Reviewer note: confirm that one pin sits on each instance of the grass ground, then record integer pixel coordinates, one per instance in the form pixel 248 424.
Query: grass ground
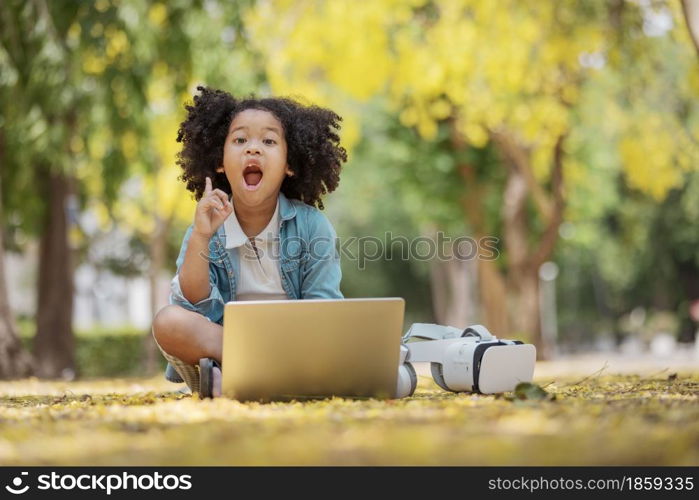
pixel 598 419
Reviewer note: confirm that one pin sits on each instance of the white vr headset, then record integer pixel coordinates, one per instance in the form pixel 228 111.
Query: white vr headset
pixel 469 360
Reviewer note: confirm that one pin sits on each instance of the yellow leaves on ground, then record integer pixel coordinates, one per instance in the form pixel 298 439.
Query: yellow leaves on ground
pixel 611 420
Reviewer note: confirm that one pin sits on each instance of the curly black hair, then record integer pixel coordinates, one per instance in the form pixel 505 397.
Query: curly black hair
pixel 314 153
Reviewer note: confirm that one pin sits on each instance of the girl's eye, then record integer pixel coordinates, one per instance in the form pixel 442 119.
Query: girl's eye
pixel 239 140
pixel 270 141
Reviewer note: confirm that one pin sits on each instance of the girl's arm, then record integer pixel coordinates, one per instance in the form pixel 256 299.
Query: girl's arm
pixel 194 273
pixel 212 306
pixel 213 208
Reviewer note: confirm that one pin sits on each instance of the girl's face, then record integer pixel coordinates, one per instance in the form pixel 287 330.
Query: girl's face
pixel 254 157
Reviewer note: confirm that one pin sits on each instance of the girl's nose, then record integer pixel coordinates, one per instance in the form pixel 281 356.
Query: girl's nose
pixel 252 148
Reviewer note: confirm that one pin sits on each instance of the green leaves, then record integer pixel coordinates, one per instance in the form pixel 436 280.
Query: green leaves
pixel 527 391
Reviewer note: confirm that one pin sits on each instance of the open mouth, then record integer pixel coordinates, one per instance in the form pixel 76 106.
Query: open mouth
pixel 252 175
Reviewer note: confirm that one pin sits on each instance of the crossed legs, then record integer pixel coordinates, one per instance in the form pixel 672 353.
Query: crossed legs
pixel 185 337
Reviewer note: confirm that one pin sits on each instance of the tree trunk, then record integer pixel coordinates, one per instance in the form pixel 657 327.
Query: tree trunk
pixel 54 345
pixel 525 316
pixel 525 259
pixel 510 305
pixel 522 290
pixel 691 17
pixel 158 249
pixel 493 297
pixel 452 282
pixel 439 291
pixel 15 361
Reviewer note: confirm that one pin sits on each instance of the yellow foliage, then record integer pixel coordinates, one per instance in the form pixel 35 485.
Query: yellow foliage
pixel 475 134
pixel 98 144
pixel 167 192
pixel 157 14
pixel 342 42
pixel 93 64
pixel 158 193
pixel 153 192
pixel 509 65
pixel 427 128
pixel 101 212
pixel 656 150
pixel 314 47
pixel 440 109
pixel 129 145
pixel 648 164
pixel 133 209
pixel 97 30
pixel 574 172
pixel 75 236
pixel 487 64
pixel 102 5
pixel 117 43
pixel 74 32
pixel 541 160
pixel 408 116
pixel 76 144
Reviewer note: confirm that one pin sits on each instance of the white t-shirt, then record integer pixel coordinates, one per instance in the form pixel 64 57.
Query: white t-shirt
pixel 259 277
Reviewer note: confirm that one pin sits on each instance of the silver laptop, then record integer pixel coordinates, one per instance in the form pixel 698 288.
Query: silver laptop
pixel 304 349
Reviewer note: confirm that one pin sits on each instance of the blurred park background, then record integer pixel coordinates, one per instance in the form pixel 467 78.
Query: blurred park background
pixel 564 133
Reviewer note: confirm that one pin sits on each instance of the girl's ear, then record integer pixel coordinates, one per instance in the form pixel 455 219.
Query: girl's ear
pixel 220 169
pixel 289 172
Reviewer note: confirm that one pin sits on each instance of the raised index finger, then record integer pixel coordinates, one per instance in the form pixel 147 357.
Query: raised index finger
pixel 207 186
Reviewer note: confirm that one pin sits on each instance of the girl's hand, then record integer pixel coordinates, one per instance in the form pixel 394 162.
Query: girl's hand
pixel 212 210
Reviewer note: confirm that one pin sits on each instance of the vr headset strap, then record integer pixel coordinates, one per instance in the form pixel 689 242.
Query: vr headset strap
pixel 478 331
pixel 431 331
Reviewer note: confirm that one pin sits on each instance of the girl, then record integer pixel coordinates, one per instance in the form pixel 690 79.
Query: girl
pixel 258 168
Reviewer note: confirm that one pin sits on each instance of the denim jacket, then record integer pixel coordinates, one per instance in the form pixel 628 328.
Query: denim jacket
pixel 309 263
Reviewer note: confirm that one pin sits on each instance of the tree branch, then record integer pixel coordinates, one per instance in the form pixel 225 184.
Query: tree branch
pixel 691 17
pixel 550 236
pixel 471 201
pixel 519 158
